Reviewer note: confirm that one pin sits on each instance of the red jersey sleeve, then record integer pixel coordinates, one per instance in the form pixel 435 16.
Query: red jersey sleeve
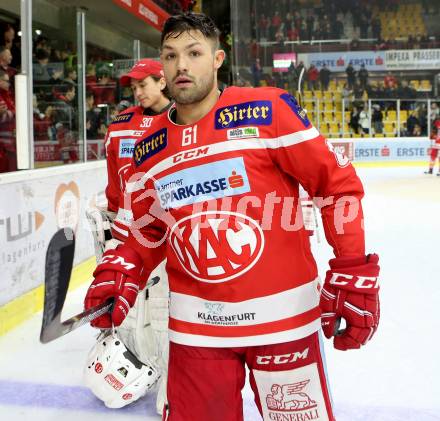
pixel 148 229
pixel 300 151
pixel 112 190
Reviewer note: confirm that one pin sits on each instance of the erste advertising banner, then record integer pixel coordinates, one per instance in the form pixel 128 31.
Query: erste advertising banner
pixel 374 60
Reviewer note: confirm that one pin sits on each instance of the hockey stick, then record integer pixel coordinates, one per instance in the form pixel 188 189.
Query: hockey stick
pixel 59 262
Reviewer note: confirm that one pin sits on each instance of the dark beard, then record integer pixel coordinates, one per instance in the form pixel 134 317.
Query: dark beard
pixel 192 95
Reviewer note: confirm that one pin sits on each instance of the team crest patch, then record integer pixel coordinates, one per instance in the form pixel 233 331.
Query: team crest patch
pixel 126 148
pixel 150 146
pixel 243 133
pixel 258 113
pixel 122 118
pixel 295 107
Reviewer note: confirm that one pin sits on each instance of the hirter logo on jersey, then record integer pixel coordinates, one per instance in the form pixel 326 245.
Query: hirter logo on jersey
pixel 150 146
pixel 122 118
pixel 297 110
pixel 257 113
pixel 217 246
pixel 204 182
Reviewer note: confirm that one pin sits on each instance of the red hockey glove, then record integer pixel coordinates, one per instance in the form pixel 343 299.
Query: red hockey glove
pixel 118 276
pixel 351 291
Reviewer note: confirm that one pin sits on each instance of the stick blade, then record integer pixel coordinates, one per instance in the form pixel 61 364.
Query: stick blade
pixel 59 262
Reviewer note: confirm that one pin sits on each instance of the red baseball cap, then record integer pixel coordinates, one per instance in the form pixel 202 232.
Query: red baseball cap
pixel 142 69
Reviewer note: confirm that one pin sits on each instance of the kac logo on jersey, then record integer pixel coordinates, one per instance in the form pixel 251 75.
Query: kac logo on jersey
pixel 150 146
pixel 257 113
pixel 297 110
pixel 217 246
pixel 204 182
pixel 122 118
pixel 126 148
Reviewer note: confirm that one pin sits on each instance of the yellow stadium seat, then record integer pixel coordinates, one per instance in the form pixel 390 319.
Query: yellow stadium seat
pixel 317 94
pixel 403 115
pixel 338 115
pixel 391 115
pixel 328 106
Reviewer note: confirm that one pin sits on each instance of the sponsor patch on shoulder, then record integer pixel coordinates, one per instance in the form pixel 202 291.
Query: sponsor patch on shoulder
pixel 243 132
pixel 150 146
pixel 126 147
pixel 295 107
pixel 122 118
pixel 257 113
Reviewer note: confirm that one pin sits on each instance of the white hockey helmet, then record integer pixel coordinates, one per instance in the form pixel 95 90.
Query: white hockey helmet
pixel 115 375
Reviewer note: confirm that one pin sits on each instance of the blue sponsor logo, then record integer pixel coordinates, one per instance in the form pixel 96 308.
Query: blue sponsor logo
pixel 255 113
pixel 297 110
pixel 205 182
pixel 122 118
pixel 126 148
pixel 150 146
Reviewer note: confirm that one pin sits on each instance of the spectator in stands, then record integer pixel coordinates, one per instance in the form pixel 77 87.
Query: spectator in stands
pixel 407 94
pixel 42 120
pixel 347 96
pixel 312 77
pixel 377 119
pixel 257 72
pixel 435 112
pixel 104 90
pixel 351 76
pixel 363 76
pixel 8 35
pixel 64 107
pixel 71 76
pixel 364 121
pixel 376 27
pixel 5 63
pixel 310 24
pixel 411 123
pixel 93 120
pixel 91 79
pixel 324 77
pixel 390 81
pixel 8 154
pixel 354 119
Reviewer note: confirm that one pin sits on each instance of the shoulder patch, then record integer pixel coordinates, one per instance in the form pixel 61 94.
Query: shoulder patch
pixel 254 113
pixel 122 118
pixel 295 107
pixel 126 147
pixel 150 146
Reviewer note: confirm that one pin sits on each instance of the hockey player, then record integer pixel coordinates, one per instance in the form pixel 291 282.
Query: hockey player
pixel 144 332
pixel 217 187
pixel 435 146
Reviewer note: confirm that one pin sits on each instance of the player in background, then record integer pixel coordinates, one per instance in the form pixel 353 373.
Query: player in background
pixel 144 332
pixel 435 146
pixel 213 179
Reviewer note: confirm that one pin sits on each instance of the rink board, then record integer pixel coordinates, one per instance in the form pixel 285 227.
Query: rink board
pixel 36 204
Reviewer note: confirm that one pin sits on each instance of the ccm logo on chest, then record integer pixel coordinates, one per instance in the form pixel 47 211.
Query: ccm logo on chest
pixel 150 146
pixel 365 282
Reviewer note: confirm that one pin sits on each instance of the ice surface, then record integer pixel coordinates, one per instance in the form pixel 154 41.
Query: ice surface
pixel 395 378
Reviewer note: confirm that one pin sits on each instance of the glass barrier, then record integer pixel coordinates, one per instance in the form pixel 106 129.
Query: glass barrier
pixel 9 65
pixel 105 98
pixel 55 98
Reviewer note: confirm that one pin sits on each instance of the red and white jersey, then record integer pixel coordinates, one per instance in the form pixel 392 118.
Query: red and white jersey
pixel 220 197
pixel 435 136
pixel 128 127
pixel 123 132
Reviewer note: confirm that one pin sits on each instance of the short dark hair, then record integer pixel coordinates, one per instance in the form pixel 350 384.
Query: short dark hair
pixel 185 22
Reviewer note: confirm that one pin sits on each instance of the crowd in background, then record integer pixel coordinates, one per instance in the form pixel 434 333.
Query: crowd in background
pixel 56 86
